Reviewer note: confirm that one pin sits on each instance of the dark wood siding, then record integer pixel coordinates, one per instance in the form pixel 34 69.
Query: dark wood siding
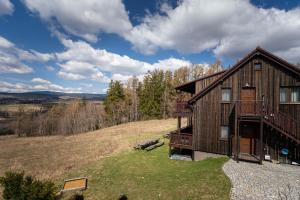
pixel 201 84
pixel 210 113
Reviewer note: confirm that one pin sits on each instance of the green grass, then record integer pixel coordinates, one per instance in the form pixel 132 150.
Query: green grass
pixel 151 175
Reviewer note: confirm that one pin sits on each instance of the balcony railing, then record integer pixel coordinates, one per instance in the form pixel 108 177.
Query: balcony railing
pixel 183 109
pixel 249 108
pixel 182 140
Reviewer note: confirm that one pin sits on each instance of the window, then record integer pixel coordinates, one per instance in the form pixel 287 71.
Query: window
pixel 290 95
pixel 226 94
pixel 295 94
pixel 283 95
pixel 224 132
pixel 257 66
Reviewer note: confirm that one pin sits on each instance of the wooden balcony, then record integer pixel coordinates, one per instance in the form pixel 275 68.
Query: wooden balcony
pixel 183 109
pixel 182 139
pixel 248 108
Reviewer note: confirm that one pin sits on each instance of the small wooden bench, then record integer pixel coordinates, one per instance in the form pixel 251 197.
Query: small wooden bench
pixel 74 185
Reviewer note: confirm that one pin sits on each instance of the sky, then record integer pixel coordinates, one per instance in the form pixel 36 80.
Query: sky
pixel 80 46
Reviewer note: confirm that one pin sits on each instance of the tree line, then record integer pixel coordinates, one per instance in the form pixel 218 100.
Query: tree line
pixel 64 118
pixel 154 97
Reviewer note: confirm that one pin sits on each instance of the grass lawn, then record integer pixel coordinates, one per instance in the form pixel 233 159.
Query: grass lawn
pixel 151 175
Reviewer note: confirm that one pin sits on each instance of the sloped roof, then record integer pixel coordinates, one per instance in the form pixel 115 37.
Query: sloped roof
pixel 191 85
pixel 257 51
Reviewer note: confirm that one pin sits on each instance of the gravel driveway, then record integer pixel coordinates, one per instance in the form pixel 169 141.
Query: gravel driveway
pixel 268 181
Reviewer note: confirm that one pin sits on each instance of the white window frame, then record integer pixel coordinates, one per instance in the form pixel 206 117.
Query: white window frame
pixel 283 95
pixel 224 133
pixel 226 97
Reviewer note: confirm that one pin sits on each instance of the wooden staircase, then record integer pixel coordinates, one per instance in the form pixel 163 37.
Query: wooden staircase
pixel 283 123
pixel 279 121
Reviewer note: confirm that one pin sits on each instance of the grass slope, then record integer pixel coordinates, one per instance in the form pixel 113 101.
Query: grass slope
pixel 55 156
pixel 151 175
pixel 113 168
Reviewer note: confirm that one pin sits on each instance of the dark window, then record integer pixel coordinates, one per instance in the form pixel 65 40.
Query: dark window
pixel 283 95
pixel 226 94
pixel 257 66
pixel 224 132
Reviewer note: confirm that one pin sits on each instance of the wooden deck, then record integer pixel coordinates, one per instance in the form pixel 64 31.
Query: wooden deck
pixel 182 139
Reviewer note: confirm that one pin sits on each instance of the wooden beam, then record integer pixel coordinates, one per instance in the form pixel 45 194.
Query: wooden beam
pixel 235 133
pixel 179 124
pixel 261 140
pixel 238 140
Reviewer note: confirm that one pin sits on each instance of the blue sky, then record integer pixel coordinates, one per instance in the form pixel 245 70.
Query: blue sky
pixel 79 46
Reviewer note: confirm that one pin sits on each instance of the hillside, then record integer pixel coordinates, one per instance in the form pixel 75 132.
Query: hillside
pixel 113 168
pixel 45 96
pixel 53 156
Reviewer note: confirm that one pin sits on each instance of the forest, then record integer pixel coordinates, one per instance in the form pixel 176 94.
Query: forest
pixel 154 97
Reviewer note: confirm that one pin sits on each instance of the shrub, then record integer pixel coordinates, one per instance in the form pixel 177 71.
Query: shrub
pixel 20 187
pixel 6 131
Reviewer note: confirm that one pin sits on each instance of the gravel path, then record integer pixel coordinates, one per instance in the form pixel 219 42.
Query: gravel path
pixel 262 182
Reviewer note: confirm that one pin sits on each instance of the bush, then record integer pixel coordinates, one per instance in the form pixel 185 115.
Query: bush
pixel 20 187
pixel 6 131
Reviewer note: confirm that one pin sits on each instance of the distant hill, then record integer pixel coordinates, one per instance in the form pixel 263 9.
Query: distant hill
pixel 46 96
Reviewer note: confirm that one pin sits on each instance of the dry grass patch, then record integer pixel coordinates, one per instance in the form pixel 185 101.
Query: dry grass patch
pixel 55 156
pixel 16 107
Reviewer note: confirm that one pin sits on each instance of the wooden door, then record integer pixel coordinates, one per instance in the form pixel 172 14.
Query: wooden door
pixel 248 103
pixel 245 145
pixel 248 134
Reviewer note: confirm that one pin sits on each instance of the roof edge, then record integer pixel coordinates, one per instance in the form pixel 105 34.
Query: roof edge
pixel 201 78
pixel 258 50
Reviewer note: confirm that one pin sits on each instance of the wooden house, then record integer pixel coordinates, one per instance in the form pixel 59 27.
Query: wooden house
pixel 250 111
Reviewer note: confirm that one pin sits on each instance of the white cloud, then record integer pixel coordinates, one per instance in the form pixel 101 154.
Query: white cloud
pixel 105 90
pixel 229 28
pixel 82 55
pixel 167 64
pixel 171 64
pixel 6 7
pixel 4 43
pixel 70 76
pixel 56 88
pixel 40 80
pixel 85 19
pixel 11 64
pixel 12 57
pixel 11 87
pixel 50 68
pixel 33 55
pixel 39 84
pixel 120 77
pixel 82 61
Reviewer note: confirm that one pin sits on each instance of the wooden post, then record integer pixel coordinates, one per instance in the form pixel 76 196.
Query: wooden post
pixel 261 140
pixel 235 134
pixel 179 124
pixel 238 141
